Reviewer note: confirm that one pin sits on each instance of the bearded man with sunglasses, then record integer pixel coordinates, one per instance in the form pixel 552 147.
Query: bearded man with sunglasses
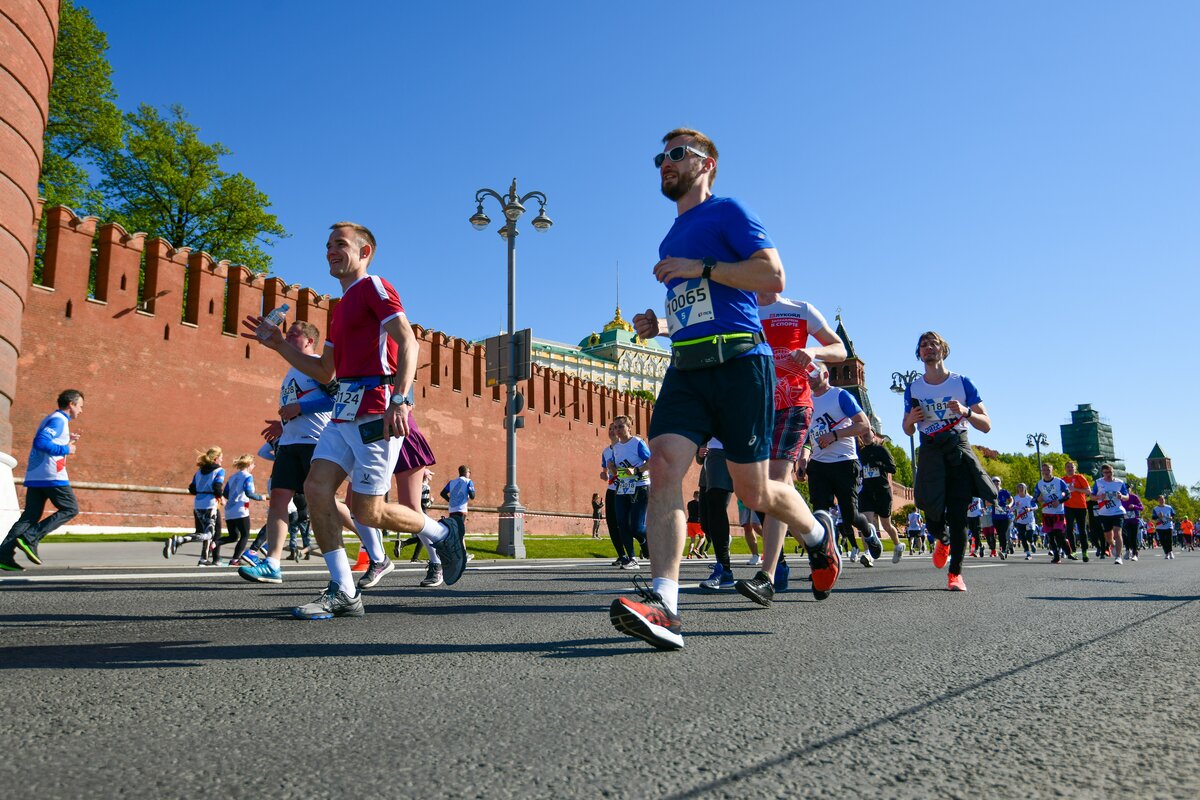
pixel 714 260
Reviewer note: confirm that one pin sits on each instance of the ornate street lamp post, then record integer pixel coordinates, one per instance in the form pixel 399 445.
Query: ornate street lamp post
pixel 900 383
pixel 1037 440
pixel 512 513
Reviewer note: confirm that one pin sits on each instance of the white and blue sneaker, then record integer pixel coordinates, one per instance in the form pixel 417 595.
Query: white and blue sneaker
pixel 721 578
pixel 262 572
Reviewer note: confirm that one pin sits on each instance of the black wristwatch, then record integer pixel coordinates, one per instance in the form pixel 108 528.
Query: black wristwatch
pixel 709 262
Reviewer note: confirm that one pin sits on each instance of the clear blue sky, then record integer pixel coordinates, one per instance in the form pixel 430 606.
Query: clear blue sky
pixel 1021 176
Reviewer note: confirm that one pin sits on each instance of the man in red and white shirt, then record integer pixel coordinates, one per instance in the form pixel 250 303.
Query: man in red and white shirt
pixel 373 352
pixel 788 325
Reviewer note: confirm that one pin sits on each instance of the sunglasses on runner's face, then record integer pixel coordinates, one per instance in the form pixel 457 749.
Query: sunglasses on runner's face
pixel 677 154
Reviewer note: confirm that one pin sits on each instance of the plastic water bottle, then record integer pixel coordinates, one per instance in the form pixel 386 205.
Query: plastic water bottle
pixel 271 322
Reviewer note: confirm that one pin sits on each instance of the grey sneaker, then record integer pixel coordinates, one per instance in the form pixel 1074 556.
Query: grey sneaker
pixel 333 602
pixel 375 573
pixel 451 552
pixel 898 552
pixel 433 576
pixel 169 547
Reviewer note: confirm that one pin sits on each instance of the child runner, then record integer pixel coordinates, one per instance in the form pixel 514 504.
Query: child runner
pixel 1023 505
pixel 207 484
pixel 239 491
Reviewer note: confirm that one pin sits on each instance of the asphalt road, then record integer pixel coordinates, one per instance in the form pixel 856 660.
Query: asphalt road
pixel 169 680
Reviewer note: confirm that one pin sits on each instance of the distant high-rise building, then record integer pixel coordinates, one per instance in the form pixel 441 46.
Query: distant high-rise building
pixel 1159 477
pixel 1089 442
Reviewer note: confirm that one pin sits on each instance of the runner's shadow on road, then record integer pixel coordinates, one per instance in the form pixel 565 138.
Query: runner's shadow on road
pixel 596 648
pixel 190 654
pixel 886 590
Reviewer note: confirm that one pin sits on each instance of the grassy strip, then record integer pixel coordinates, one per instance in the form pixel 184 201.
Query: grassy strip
pixel 482 547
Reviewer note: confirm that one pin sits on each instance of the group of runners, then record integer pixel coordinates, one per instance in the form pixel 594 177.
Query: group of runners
pixel 747 394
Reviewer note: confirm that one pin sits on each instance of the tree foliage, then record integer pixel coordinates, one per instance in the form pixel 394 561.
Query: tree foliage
pixel 904 470
pixel 167 182
pixel 84 123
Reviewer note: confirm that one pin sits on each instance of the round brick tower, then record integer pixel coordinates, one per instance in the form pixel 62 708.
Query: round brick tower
pixel 28 31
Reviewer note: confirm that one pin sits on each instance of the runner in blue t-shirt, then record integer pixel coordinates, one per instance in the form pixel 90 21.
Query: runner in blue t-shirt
pixel 45 482
pixel 721 383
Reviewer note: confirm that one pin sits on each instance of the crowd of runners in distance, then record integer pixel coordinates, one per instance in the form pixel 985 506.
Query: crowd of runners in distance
pixel 747 395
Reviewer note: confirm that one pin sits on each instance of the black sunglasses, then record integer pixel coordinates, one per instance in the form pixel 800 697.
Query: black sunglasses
pixel 677 154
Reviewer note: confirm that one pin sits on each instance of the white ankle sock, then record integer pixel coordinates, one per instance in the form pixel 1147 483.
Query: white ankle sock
pixel 814 537
pixel 372 542
pixel 668 590
pixel 339 571
pixel 432 532
pixel 274 562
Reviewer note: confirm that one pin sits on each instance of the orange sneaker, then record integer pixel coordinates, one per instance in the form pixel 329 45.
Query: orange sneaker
pixel 941 554
pixel 824 559
pixel 955 583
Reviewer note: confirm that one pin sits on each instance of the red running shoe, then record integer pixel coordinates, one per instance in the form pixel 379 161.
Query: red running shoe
pixel 955 583
pixel 825 560
pixel 941 554
pixel 647 618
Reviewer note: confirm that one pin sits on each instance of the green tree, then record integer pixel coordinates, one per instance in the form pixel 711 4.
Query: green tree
pixel 84 124
pixel 904 470
pixel 645 394
pixel 168 183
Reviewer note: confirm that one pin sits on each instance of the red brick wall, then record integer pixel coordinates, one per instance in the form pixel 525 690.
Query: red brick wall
pixel 28 30
pixel 163 381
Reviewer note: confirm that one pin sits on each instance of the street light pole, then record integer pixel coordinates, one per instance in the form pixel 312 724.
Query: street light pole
pixel 512 513
pixel 900 383
pixel 1037 440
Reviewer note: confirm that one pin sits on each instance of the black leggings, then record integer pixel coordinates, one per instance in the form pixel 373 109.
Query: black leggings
pixel 714 521
pixel 1077 520
pixel 837 480
pixel 1167 540
pixel 239 531
pixel 949 524
pixel 610 519
pixel 1025 534
pixel 1129 532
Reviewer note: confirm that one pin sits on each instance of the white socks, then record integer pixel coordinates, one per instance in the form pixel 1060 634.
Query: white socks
pixel 814 537
pixel 668 590
pixel 432 532
pixel 371 540
pixel 339 571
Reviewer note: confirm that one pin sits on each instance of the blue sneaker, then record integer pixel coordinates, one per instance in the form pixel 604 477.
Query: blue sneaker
pixel 713 582
pixel 262 572
pixel 782 571
pixel 721 578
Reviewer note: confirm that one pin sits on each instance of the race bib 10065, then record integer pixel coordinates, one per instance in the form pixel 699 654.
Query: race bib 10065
pixel 689 303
